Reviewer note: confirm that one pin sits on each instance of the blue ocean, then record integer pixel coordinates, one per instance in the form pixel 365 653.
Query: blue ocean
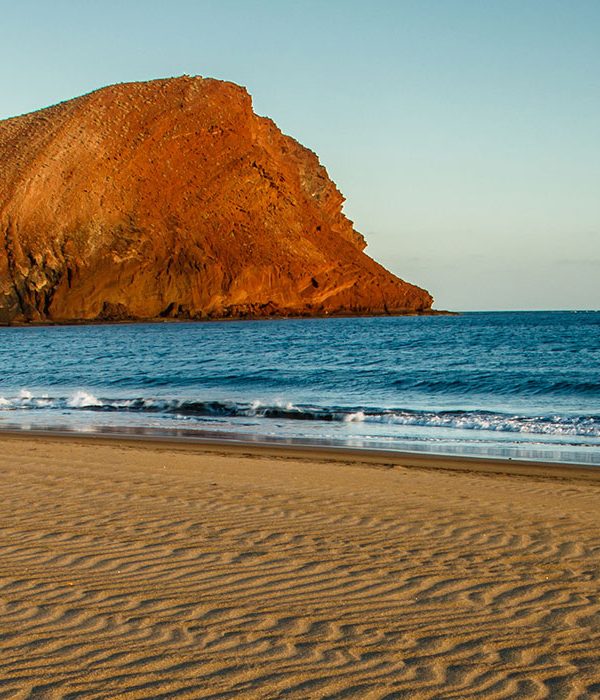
pixel 524 385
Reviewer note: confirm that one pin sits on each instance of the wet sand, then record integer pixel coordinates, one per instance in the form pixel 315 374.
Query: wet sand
pixel 154 569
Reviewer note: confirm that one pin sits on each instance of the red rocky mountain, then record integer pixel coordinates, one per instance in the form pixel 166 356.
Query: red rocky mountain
pixel 171 198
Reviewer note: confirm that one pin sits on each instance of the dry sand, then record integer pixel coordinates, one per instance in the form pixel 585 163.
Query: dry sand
pixel 140 570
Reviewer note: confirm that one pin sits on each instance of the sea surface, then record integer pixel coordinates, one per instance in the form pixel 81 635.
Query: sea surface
pixel 524 385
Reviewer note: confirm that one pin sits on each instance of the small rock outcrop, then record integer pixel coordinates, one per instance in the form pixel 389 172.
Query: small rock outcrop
pixel 172 199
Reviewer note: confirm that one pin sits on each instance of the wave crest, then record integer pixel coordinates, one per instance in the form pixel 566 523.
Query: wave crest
pixel 565 425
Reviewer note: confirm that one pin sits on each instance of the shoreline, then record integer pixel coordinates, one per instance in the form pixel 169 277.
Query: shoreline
pixel 299 317
pixel 217 319
pixel 324 453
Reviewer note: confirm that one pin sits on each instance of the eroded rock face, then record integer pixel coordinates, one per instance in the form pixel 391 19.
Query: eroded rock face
pixel 171 198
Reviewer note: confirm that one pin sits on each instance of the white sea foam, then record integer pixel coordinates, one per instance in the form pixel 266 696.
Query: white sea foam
pixel 358 417
pixel 552 426
pixel 82 399
pixel 44 402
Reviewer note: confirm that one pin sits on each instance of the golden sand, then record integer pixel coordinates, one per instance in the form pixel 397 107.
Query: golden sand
pixel 141 570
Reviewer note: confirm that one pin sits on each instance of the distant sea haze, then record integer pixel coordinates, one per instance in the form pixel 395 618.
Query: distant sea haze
pixel 522 385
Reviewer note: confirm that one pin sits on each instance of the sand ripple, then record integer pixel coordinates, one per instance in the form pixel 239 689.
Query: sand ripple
pixel 135 572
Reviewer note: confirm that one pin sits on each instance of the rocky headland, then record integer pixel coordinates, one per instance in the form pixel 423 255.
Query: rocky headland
pixel 172 199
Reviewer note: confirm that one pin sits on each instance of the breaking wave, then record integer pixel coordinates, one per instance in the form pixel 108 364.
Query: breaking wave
pixel 558 425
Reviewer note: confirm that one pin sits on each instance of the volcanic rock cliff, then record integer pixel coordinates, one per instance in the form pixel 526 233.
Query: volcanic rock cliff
pixel 171 198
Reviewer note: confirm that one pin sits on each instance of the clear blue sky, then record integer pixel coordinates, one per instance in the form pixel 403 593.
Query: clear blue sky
pixel 465 135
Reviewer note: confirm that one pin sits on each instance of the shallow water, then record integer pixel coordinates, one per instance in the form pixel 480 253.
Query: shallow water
pixel 521 385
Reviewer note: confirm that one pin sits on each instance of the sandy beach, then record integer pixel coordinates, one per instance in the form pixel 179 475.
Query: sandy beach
pixel 133 569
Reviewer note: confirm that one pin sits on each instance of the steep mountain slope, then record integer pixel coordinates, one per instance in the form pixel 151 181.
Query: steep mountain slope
pixel 171 198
